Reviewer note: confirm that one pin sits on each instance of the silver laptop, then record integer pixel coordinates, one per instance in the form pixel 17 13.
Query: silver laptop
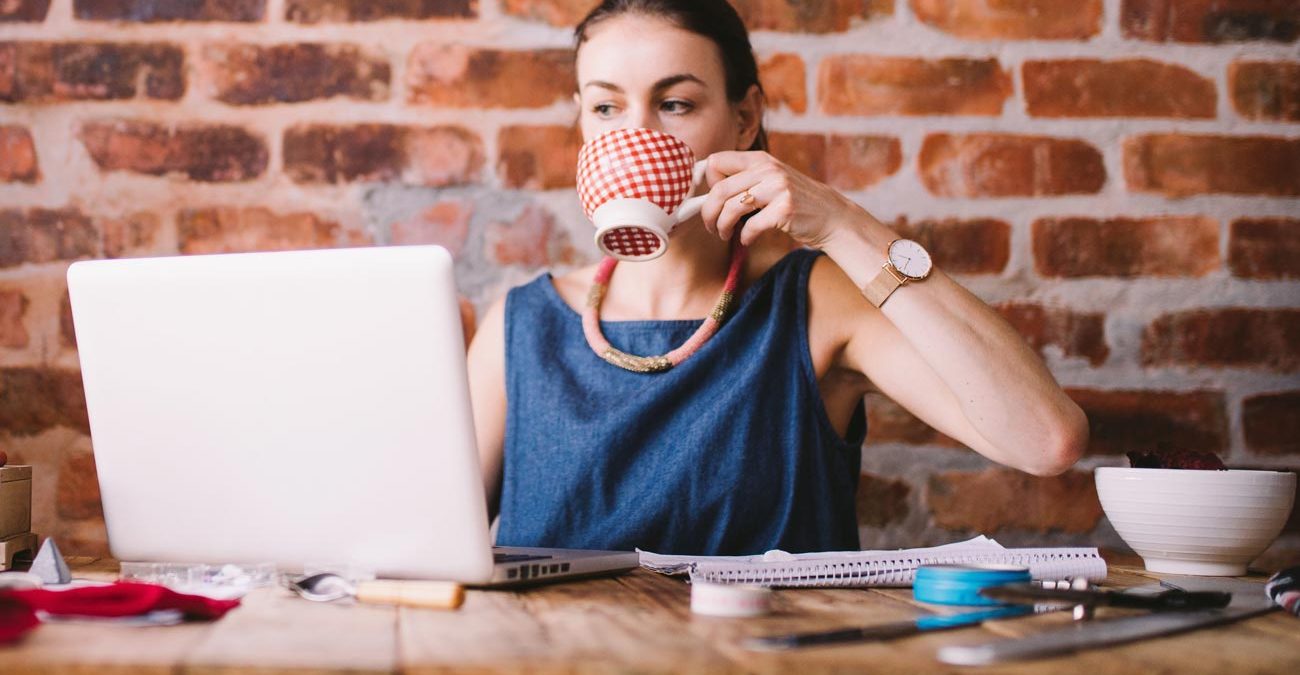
pixel 308 408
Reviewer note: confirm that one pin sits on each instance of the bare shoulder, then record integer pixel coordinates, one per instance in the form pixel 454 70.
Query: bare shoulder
pixel 837 310
pixel 489 339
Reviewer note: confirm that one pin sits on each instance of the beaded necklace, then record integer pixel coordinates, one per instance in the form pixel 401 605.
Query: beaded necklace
pixel 656 364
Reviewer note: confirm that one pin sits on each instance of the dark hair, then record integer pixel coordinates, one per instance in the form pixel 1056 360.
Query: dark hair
pixel 716 20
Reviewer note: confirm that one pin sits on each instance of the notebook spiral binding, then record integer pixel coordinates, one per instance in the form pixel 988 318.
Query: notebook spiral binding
pixel 1055 564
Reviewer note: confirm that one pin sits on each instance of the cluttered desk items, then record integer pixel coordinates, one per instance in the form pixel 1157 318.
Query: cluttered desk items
pixel 874 568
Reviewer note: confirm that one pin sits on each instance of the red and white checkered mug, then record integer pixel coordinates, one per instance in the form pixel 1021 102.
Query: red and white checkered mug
pixel 634 185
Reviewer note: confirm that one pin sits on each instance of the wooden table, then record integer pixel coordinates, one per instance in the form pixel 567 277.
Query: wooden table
pixel 639 622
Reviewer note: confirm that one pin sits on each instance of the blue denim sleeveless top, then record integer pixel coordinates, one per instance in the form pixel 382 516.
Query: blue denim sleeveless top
pixel 729 453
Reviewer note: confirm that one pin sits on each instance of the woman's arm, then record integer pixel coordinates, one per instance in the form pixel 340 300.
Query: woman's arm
pixel 487 390
pixel 940 352
pixel 933 346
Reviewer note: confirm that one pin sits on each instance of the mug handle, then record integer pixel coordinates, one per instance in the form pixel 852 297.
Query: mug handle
pixel 691 207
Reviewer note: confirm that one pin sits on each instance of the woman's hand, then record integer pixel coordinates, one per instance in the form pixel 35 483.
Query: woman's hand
pixel 785 199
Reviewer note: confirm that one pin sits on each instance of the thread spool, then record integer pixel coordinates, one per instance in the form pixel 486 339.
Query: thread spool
pixel 961 584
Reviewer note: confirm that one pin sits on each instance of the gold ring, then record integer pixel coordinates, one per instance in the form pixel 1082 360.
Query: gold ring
pixel 746 198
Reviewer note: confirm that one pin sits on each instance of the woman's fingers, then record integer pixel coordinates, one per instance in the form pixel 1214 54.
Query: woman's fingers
pixel 775 215
pixel 735 208
pixel 720 165
pixel 720 194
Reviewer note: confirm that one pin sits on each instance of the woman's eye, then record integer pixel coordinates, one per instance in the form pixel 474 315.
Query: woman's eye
pixel 603 109
pixel 676 107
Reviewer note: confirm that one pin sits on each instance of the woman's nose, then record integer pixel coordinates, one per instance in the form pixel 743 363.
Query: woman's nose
pixel 641 118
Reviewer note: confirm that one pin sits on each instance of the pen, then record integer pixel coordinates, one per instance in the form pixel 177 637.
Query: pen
pixel 886 631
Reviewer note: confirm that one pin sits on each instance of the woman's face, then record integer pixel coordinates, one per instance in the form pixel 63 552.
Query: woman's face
pixel 636 71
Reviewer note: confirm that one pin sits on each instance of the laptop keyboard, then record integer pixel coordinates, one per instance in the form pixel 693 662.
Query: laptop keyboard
pixel 516 557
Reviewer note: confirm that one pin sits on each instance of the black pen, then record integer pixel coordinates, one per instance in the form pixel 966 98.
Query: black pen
pixel 886 631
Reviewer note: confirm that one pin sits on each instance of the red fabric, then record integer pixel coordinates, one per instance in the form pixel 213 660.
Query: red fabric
pixel 18 607
pixel 16 618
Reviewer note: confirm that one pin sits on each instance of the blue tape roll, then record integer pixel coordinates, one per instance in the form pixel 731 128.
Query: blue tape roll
pixel 961 584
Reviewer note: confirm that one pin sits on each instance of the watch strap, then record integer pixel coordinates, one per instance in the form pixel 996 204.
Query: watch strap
pixel 886 282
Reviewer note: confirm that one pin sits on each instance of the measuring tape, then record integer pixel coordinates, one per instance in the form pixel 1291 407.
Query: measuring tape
pixel 961 584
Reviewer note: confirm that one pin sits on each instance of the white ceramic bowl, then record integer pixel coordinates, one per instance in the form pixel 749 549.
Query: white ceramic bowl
pixel 1183 521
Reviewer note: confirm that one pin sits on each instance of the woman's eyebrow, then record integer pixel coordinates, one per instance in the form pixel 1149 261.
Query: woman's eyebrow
pixel 660 85
pixel 603 85
pixel 669 81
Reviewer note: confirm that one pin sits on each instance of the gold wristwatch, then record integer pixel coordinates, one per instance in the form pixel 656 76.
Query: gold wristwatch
pixel 906 261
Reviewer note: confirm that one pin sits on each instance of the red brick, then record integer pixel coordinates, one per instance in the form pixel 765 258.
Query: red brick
pixel 1123 421
pixel 1179 165
pixel 532 240
pixel 858 162
pixel 169 10
pixel 1210 20
pixel 1271 423
pixel 1229 338
pixel 44 72
pixel 13 308
pixel 785 81
pixel 888 422
pixel 292 73
pixel 1266 90
pixel 434 156
pixel 23 10
pixel 335 11
pixel 461 77
pixel 1168 246
pixel 843 162
pixel 17 156
pixel 33 400
pixel 1000 499
pixel 882 501
pixel 78 490
pixel 1078 334
pixel 231 230
pixel 1129 88
pixel 538 157
pixel 974 246
pixel 858 84
pixel 555 12
pixel 446 224
pixel 46 235
pixel 202 152
pixel 67 329
pixel 137 234
pixel 799 16
pixel 1016 20
pixel 1265 248
pixel 1005 165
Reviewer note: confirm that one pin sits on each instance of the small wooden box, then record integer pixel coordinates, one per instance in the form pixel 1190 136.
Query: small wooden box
pixel 15 500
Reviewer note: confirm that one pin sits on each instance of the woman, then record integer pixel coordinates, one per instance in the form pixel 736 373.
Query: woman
pixel 753 442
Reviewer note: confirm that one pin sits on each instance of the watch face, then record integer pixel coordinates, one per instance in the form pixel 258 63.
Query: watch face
pixel 910 258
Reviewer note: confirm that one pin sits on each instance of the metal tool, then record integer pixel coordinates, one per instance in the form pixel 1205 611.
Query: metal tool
pixel 1173 599
pixel 1248 599
pixel 327 587
pixel 886 631
pixel 942 584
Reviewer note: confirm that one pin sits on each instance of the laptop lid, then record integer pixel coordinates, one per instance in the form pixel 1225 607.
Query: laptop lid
pixel 299 408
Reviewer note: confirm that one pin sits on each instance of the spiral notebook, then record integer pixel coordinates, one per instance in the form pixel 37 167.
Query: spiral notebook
pixel 875 568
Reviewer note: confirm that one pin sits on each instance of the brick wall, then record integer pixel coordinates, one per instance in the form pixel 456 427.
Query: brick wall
pixel 1120 178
